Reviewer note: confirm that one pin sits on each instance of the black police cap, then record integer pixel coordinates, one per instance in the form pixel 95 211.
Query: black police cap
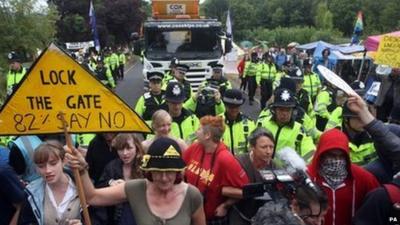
pixel 216 66
pixel 13 57
pixel 233 97
pixel 155 75
pixel 182 67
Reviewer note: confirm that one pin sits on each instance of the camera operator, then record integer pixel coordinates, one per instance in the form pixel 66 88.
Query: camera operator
pixel 217 79
pixel 207 101
pixel 308 207
pixel 261 153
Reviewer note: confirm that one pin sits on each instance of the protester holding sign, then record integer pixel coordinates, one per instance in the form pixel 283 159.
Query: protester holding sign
pixel 160 198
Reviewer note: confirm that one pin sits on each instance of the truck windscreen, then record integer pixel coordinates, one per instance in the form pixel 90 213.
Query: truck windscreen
pixel 201 43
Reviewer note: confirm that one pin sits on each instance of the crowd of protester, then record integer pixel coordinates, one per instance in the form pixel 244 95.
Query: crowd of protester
pixel 204 153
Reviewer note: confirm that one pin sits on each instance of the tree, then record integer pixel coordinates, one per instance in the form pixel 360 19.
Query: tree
pixel 215 9
pixel 122 18
pixel 323 18
pixel 116 20
pixel 344 14
pixel 24 28
pixel 390 18
pixel 278 17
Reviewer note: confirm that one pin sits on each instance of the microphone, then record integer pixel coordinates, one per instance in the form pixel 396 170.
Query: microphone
pixel 296 166
pixel 291 159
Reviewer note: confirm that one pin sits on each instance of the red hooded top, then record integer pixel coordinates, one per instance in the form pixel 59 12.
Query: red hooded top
pixel 347 198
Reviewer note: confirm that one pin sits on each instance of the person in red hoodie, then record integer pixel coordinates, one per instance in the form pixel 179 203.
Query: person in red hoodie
pixel 211 167
pixel 345 183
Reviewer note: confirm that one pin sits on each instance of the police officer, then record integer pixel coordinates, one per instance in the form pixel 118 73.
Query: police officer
pixel 287 132
pixel 217 80
pixel 299 114
pixel 169 74
pixel 302 96
pixel 103 73
pixel 362 150
pixel 324 104
pixel 15 73
pixel 154 99
pixel 112 60
pixel 238 125
pixel 250 72
pixel 207 101
pixel 179 75
pixel 312 83
pixel 122 62
pixel 336 116
pixel 184 123
pixel 266 75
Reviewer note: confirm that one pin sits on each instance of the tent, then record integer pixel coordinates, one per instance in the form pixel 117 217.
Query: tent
pixel 372 42
pixel 343 48
pixel 313 45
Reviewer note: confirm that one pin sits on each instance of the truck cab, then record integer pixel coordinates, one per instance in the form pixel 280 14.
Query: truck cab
pixel 176 31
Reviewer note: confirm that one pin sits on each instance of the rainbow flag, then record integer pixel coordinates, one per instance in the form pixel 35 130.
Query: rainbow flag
pixel 358 29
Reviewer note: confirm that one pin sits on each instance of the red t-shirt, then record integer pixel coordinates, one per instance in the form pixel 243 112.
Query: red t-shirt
pixel 226 171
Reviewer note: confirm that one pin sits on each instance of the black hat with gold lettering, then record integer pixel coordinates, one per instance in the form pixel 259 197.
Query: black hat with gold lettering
pixel 164 154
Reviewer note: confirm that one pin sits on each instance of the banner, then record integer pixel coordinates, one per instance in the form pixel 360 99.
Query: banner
pixel 388 52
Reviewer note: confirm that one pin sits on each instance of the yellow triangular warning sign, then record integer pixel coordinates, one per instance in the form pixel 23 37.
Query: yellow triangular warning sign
pixel 57 83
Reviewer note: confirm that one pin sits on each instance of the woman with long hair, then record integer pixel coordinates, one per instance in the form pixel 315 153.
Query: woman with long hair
pixel 122 169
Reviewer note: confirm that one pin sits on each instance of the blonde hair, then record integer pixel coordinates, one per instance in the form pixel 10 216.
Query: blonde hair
pixel 158 117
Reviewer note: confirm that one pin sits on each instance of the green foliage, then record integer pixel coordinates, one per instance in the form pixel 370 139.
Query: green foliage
pixel 116 20
pixel 344 14
pixel 323 17
pixel 216 9
pixel 380 16
pixel 24 28
pixel 281 36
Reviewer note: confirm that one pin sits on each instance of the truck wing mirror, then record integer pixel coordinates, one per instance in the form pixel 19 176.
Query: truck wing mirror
pixel 228 44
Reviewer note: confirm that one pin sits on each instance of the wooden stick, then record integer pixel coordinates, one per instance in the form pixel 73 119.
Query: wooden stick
pixel 77 176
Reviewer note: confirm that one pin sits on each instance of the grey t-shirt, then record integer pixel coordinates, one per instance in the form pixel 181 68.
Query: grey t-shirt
pixel 136 193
